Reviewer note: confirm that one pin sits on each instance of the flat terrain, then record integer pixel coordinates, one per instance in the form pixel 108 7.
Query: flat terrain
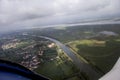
pixel 39 55
pixel 97 46
pixel 101 53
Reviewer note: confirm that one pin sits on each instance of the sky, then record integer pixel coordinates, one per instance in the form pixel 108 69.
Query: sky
pixel 22 14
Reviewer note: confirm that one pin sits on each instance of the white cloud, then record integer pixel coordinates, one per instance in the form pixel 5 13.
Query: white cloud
pixel 15 13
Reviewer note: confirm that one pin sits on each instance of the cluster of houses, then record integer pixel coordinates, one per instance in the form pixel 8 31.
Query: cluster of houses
pixel 30 61
pixel 10 44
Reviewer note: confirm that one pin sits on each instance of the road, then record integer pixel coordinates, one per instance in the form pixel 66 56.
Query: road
pixel 86 68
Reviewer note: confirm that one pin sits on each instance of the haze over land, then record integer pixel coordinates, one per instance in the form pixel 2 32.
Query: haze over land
pixel 76 52
pixel 22 14
pixel 61 39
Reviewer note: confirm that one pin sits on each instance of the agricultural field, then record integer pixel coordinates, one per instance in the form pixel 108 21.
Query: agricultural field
pixel 59 68
pixel 39 55
pixel 101 53
pixel 95 47
pixel 66 34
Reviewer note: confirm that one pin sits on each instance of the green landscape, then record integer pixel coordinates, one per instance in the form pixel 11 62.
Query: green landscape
pixel 39 55
pixel 101 54
pixel 95 45
pixel 59 39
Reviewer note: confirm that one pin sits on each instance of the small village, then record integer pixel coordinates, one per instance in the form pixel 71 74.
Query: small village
pixel 30 59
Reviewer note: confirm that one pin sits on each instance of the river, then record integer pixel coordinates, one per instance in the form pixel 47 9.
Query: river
pixel 86 68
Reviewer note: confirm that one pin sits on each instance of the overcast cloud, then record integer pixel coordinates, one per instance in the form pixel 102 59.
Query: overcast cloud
pixel 20 14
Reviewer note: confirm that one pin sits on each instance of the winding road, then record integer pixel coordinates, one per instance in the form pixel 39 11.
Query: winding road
pixel 86 68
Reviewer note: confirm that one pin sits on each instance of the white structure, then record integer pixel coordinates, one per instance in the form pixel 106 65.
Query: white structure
pixel 114 74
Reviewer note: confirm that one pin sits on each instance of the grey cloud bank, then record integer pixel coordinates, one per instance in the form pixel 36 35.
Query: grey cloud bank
pixel 20 14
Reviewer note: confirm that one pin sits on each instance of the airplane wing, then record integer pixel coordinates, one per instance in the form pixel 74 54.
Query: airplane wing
pixel 114 73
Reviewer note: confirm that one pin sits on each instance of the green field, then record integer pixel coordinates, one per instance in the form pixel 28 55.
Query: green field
pixel 102 54
pixel 66 34
pixel 99 51
pixel 60 68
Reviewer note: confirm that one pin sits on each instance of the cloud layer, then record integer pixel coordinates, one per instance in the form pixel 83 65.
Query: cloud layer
pixel 20 14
